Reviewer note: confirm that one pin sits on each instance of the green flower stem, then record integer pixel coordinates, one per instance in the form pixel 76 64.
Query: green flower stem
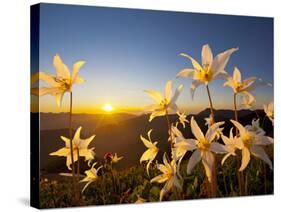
pixel 78 174
pixel 170 129
pixel 211 104
pixel 78 165
pixel 213 184
pixel 235 110
pixel 70 138
pixel 240 175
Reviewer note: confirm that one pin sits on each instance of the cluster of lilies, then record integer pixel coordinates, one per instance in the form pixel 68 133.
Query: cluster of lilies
pixel 75 147
pixel 247 141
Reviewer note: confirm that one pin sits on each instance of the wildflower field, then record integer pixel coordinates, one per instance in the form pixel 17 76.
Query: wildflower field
pixel 197 157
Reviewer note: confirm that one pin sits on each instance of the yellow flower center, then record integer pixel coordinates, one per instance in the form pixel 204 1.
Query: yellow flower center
pixel 203 144
pixel 237 87
pixel 247 140
pixel 205 74
pixel 164 103
pixel 65 84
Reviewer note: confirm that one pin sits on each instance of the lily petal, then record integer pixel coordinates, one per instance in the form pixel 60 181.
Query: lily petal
pixel 76 68
pixel 196 130
pixel 208 163
pixel 194 159
pixel 207 55
pixel 155 95
pixel 157 113
pixel 245 158
pixel 217 148
pixel 221 60
pixel 260 153
pixel 236 75
pixel 224 158
pixel 187 72
pixel 176 94
pixel 195 64
pixel 168 90
pixel 194 85
pixel 61 69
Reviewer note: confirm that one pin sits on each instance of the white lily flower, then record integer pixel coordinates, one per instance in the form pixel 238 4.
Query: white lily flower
pixel 209 122
pixel 269 111
pixel 181 144
pixel 252 145
pixel 91 176
pixel 255 127
pixel 165 103
pixel 169 175
pixel 231 144
pixel 152 151
pixel 239 86
pixel 182 118
pixel 79 145
pixel 205 147
pixel 63 81
pixel 248 100
pixel 210 69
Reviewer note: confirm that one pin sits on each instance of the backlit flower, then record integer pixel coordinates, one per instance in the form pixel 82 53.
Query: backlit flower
pixel 209 122
pixel 231 144
pixel 251 144
pixel 210 69
pixel 150 154
pixel 91 176
pixel 79 145
pixel 255 127
pixel 205 147
pixel 248 100
pixel 182 118
pixel 168 176
pixel 165 103
pixel 63 80
pixel 238 85
pixel 269 111
pixel 181 144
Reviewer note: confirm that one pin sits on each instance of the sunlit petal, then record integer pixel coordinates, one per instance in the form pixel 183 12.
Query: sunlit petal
pixel 76 68
pixel 221 60
pixel 207 55
pixel 194 159
pixel 61 69
pixel 196 130
pixel 245 159
pixel 187 72
pixel 195 64
pixel 168 90
pixel 208 163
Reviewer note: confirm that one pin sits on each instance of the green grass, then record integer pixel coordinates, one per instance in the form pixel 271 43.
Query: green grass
pixel 125 186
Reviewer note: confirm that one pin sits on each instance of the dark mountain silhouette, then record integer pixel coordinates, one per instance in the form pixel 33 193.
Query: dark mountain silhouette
pixel 89 122
pixel 124 137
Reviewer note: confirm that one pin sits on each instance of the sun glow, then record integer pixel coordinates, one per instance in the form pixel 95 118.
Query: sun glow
pixel 108 108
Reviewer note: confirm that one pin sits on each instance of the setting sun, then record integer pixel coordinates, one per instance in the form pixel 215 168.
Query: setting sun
pixel 107 108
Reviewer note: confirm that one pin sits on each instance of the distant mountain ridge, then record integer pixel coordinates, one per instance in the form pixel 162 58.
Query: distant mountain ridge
pixel 49 121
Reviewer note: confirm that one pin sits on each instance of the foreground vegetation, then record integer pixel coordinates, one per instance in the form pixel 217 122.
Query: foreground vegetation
pixel 133 186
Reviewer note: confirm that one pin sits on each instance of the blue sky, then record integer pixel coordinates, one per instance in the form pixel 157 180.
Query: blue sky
pixel 128 51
